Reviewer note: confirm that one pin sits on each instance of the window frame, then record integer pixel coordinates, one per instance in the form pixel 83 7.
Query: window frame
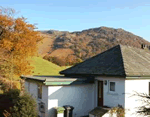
pixel 28 86
pixel 39 91
pixel 149 88
pixel 110 86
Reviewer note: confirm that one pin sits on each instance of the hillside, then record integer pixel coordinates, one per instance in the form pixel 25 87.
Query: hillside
pixel 87 43
pixel 43 67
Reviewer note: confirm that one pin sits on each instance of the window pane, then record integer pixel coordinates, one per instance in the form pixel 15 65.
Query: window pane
pixel 149 88
pixel 29 86
pixel 40 91
pixel 112 86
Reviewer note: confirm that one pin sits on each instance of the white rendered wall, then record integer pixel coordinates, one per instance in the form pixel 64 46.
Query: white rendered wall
pixel 81 97
pixel 34 92
pixel 132 102
pixel 112 99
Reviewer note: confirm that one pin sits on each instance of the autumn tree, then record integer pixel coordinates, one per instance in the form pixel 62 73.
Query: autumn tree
pixel 18 42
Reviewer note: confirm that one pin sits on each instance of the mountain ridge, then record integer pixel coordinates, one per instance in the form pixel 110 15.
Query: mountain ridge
pixel 89 42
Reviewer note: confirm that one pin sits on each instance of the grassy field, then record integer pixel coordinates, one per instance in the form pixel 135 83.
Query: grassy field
pixel 44 67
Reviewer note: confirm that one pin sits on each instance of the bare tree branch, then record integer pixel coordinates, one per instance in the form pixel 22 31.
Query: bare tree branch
pixel 145 99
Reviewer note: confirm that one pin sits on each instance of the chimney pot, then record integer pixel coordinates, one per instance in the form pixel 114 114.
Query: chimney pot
pixel 142 46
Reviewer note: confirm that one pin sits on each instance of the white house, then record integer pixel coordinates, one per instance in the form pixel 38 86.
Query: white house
pixel 105 80
pixel 57 91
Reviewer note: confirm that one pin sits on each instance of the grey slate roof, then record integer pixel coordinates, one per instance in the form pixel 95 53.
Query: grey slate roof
pixel 117 61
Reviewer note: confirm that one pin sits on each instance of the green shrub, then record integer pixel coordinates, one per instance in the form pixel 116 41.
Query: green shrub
pixel 25 106
pixel 13 94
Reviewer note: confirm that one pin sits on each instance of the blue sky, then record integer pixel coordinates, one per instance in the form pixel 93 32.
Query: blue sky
pixel 77 15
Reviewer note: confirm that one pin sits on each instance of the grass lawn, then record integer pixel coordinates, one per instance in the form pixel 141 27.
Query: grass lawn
pixel 44 67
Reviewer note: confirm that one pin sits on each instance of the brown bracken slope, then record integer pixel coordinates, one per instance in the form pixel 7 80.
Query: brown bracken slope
pixel 86 43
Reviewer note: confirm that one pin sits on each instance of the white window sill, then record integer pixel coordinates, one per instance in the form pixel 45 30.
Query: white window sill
pixel 39 99
pixel 112 93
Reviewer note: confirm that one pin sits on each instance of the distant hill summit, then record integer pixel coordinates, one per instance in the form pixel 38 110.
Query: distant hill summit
pixel 51 31
pixel 87 43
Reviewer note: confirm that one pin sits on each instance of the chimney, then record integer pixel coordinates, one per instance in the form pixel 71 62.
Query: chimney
pixel 149 47
pixel 142 46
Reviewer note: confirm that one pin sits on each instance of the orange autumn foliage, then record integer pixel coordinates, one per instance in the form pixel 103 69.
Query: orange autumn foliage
pixel 18 42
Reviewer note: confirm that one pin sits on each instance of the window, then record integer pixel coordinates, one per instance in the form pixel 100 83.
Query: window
pixel 149 88
pixel 39 91
pixel 28 86
pixel 112 86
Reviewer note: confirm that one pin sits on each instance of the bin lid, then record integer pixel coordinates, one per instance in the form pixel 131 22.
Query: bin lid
pixel 68 107
pixel 60 109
